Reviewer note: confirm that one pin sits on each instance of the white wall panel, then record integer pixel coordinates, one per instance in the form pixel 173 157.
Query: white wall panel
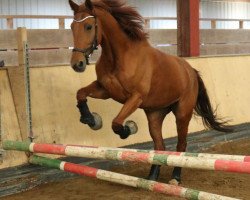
pixel 147 8
pixel 34 7
pixel 157 8
pixel 224 10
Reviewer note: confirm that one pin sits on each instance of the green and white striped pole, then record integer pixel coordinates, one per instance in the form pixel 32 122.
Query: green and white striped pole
pixel 127 180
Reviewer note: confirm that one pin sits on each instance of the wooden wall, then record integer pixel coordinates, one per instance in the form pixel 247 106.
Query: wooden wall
pixel 47 47
pixel 51 47
pixel 9 121
pixel 56 118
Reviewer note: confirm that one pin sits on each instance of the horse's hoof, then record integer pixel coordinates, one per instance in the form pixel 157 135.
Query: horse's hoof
pixel 174 182
pixel 122 131
pixel 98 122
pixel 125 133
pixel 132 126
pixel 87 119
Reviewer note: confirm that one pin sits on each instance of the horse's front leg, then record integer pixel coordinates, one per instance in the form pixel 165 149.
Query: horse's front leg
pixel 128 108
pixel 94 90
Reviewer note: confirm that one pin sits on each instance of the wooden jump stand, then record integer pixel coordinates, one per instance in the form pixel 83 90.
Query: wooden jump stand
pixel 20 85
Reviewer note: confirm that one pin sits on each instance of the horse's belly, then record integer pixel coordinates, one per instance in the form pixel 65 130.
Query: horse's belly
pixel 161 97
pixel 155 102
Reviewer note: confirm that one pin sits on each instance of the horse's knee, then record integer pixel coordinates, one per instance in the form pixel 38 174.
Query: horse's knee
pixel 81 95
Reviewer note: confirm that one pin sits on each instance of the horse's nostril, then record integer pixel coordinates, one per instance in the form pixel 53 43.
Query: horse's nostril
pixel 75 66
pixel 80 64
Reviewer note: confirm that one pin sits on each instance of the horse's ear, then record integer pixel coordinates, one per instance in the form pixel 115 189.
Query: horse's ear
pixel 73 5
pixel 89 5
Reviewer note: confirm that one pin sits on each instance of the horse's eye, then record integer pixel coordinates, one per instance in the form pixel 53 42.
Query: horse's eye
pixel 88 27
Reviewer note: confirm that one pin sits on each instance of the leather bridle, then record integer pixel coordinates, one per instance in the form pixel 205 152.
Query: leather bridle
pixel 94 45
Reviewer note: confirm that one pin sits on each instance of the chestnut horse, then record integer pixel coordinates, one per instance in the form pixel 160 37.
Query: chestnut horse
pixel 135 74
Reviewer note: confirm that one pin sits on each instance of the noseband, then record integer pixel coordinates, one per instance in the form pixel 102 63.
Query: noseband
pixel 94 46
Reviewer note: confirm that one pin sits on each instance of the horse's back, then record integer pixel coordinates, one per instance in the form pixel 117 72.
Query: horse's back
pixel 172 78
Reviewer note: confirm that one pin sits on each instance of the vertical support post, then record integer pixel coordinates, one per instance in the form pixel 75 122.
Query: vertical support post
pixel 213 24
pixel 61 23
pixel 27 91
pixel 10 23
pixel 241 24
pixel 21 38
pixel 147 23
pixel 188 33
pixel 17 82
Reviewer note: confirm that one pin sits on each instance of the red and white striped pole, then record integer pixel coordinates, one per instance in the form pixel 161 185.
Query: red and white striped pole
pixel 132 156
pixel 241 158
pixel 127 180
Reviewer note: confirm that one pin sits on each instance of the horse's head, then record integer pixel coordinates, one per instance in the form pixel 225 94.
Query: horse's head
pixel 85 34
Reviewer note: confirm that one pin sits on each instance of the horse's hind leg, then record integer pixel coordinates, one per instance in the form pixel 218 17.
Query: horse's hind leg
pixel 155 120
pixel 183 114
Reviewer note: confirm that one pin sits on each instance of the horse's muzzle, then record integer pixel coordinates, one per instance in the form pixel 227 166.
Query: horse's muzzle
pixel 80 66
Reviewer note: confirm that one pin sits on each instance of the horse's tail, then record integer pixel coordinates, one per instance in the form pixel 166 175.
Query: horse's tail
pixel 204 109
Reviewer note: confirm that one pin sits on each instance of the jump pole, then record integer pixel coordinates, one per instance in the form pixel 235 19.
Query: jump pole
pixel 241 158
pixel 131 156
pixel 126 180
pixel 102 150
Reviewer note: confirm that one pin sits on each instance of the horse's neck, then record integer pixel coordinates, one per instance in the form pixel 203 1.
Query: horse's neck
pixel 114 41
